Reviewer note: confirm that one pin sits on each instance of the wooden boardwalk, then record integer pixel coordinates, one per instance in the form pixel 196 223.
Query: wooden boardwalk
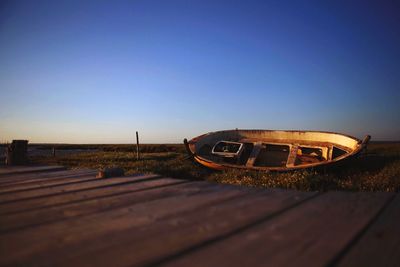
pixel 55 217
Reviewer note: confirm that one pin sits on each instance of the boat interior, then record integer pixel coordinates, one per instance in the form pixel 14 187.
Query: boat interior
pixel 274 148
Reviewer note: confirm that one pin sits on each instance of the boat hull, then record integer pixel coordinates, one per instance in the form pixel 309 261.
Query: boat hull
pixel 270 150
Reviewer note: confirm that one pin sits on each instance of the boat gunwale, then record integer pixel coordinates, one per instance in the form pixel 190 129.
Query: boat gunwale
pixel 261 130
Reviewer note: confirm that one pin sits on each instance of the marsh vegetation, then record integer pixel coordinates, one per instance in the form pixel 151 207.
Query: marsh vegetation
pixel 378 169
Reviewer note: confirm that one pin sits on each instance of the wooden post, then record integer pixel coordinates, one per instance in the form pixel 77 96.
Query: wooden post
pixel 137 146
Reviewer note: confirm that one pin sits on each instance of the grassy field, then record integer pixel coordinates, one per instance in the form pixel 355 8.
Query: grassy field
pixel 376 170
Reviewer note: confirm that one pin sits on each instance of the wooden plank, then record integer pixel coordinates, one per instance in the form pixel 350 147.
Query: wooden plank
pixel 26 177
pixel 309 235
pixel 8 170
pixel 139 192
pixel 51 243
pixel 254 154
pixel 380 244
pixel 81 195
pixel 292 155
pixel 46 182
pixel 159 222
pixel 175 234
pixel 40 176
pixel 60 189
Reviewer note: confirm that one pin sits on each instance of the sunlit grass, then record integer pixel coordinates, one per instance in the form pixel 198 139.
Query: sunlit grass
pixel 378 170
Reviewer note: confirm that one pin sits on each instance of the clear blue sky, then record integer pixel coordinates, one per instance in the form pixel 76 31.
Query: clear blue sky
pixel 97 71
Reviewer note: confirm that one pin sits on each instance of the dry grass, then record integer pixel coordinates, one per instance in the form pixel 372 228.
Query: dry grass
pixel 377 170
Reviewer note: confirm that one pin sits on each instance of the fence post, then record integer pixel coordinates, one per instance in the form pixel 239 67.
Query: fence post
pixel 137 146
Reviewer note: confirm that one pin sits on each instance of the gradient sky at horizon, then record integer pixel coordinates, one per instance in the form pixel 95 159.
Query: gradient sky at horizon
pixel 97 71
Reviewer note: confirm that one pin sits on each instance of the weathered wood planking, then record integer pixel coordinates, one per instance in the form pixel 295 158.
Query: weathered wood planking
pixel 12 170
pixel 44 202
pixel 26 179
pixel 61 189
pixel 313 234
pixel 47 243
pixel 69 217
pixel 93 205
pixel 47 182
pixel 162 189
pixel 380 245
pixel 175 234
pixel 32 177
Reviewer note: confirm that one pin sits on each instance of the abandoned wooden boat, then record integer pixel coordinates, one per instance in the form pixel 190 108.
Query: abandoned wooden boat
pixel 272 150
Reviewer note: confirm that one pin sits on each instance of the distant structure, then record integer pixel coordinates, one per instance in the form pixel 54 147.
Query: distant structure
pixel 17 152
